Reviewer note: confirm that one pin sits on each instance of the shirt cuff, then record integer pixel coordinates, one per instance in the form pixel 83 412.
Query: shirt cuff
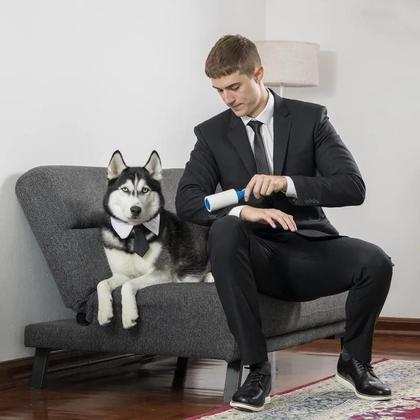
pixel 291 190
pixel 236 211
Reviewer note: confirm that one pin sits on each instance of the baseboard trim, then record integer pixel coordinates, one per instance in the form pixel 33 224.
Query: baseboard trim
pixel 398 326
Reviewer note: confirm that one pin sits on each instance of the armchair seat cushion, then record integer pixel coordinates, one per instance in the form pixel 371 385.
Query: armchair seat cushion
pixel 182 319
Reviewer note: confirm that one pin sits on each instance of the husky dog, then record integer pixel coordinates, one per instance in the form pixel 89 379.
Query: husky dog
pixel 163 250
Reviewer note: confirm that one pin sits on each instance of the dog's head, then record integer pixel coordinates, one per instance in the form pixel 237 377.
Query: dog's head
pixel 134 194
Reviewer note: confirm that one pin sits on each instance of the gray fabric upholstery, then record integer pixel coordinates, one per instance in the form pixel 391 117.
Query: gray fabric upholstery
pixel 63 205
pixel 67 334
pixel 191 315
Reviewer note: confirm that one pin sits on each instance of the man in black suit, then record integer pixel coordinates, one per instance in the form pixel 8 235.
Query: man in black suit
pixel 291 162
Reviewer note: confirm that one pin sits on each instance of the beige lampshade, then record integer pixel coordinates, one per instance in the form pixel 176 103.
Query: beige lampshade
pixel 289 63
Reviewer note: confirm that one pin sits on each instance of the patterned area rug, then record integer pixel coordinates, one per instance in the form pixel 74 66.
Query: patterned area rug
pixel 327 399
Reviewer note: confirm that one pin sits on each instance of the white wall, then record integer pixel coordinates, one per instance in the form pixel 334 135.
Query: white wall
pixel 370 65
pixel 79 79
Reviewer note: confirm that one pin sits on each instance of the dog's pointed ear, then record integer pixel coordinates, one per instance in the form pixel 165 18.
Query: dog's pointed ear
pixel 154 166
pixel 116 165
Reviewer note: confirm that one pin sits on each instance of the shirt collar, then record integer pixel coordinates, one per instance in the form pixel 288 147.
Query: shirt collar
pixel 124 229
pixel 265 115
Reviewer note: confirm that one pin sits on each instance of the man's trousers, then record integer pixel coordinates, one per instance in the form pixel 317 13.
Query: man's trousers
pixel 249 258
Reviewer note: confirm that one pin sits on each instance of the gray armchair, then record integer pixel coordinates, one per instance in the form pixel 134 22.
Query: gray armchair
pixel 63 205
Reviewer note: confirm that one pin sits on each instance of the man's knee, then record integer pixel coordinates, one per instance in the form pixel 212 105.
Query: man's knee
pixel 227 231
pixel 379 264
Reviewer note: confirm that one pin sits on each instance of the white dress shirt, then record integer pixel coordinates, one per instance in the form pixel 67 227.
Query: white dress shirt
pixel 267 134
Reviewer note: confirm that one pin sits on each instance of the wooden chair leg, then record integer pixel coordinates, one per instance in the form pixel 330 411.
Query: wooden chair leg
pixel 180 373
pixel 233 379
pixel 40 368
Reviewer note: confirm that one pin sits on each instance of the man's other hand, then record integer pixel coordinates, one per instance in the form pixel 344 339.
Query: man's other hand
pixel 268 217
pixel 264 185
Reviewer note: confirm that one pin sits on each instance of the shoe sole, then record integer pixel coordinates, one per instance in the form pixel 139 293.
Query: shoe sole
pixel 349 385
pixel 249 407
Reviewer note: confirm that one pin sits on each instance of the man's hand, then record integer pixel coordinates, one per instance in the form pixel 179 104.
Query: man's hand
pixel 265 185
pixel 268 216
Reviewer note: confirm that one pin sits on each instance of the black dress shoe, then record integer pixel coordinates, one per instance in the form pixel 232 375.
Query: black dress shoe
pixel 254 393
pixel 360 378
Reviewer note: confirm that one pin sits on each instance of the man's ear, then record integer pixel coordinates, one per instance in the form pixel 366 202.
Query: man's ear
pixel 154 166
pixel 259 74
pixel 116 165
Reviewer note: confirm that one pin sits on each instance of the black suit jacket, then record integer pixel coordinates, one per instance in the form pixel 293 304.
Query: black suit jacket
pixel 306 148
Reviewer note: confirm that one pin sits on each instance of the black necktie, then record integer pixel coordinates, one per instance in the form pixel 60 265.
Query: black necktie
pixel 141 246
pixel 259 150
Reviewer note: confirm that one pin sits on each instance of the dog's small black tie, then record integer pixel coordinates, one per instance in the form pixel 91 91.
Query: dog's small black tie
pixel 259 150
pixel 141 246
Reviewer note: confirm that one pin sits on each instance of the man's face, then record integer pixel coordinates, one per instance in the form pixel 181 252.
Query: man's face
pixel 240 92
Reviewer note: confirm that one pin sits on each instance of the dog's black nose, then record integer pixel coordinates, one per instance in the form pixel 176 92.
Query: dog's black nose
pixel 135 210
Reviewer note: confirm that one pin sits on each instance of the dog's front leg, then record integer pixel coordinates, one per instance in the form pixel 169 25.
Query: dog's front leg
pixel 129 289
pixel 104 289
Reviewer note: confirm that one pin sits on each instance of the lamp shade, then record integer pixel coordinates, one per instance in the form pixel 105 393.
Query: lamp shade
pixel 289 63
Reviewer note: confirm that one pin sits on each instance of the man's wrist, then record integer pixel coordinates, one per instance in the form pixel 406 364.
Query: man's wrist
pixel 236 211
pixel 240 211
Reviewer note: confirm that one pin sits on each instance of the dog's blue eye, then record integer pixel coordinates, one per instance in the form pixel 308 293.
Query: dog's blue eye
pixel 125 189
pixel 144 190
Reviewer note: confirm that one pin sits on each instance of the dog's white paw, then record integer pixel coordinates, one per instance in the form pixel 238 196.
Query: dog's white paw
pixel 105 312
pixel 130 313
pixel 129 319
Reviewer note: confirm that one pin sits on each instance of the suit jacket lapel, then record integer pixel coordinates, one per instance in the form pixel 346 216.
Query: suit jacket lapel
pixel 239 138
pixel 282 124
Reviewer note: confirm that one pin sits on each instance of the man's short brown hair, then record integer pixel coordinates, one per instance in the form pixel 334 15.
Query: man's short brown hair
pixel 230 54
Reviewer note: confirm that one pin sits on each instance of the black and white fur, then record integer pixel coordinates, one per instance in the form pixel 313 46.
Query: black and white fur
pixel 177 254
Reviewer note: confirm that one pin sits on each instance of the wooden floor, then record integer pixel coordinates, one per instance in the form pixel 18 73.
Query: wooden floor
pixel 126 389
